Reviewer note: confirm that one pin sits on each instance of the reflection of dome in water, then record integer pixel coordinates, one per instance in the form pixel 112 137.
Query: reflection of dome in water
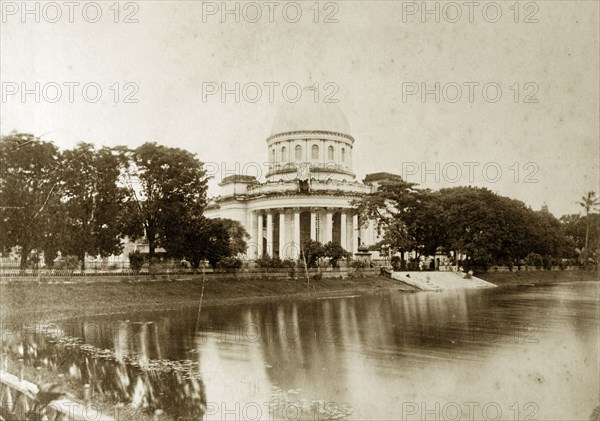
pixel 308 115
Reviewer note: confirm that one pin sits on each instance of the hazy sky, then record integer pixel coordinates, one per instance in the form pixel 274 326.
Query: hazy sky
pixel 372 54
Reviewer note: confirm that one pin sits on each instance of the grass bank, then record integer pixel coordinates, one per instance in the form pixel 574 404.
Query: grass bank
pixel 42 301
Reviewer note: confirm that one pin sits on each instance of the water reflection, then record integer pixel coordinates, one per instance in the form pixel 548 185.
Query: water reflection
pixel 125 374
pixel 506 353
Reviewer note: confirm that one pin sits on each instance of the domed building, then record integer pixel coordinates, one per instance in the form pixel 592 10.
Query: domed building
pixel 308 189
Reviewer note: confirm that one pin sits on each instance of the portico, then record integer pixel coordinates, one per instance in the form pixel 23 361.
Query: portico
pixel 281 232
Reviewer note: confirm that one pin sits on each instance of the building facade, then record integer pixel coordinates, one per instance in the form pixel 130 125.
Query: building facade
pixel 308 190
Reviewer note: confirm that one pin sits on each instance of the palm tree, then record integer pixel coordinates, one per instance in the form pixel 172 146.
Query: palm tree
pixel 589 203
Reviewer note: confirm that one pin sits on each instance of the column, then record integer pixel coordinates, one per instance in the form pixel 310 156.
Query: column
pixel 313 225
pixel 259 235
pixel 354 233
pixel 270 234
pixel 343 227
pixel 297 231
pixel 282 234
pixel 328 226
pixel 250 228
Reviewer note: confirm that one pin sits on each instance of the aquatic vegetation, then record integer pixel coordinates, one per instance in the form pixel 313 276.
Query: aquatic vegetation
pixel 284 402
pixel 130 381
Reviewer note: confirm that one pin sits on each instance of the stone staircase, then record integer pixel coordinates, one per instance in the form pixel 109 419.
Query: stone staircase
pixel 440 281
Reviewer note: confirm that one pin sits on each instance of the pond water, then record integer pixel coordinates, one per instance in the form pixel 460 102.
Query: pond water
pixel 510 353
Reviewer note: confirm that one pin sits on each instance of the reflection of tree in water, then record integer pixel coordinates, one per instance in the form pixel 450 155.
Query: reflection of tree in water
pixel 143 384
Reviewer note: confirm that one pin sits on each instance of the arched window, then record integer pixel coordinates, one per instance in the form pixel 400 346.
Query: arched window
pixel 343 155
pixel 315 152
pixel 298 153
pixel 283 154
pixel 273 155
pixel 330 153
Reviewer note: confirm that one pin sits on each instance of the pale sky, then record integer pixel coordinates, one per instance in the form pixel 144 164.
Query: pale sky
pixel 374 51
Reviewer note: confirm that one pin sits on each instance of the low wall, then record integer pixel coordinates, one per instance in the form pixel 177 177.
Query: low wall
pixel 527 268
pixel 77 276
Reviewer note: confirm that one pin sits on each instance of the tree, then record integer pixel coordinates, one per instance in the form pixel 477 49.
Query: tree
pixel 92 201
pixel 204 239
pixel 237 235
pixel 55 232
pixel 392 206
pixel 472 223
pixel 311 252
pixel 589 203
pixel 548 236
pixel 483 226
pixel 168 194
pixel 492 229
pixel 335 252
pixel 136 261
pixel 427 225
pixel 574 229
pixel 208 239
pixel 29 188
pixel 577 227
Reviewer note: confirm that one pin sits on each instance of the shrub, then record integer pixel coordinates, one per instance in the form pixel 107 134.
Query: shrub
pixel 312 251
pixel 264 262
pixel 33 261
pixel 289 263
pixel 335 252
pixel 358 265
pixel 229 263
pixel 396 263
pixel 534 259
pixel 267 262
pixel 66 263
pixel 547 262
pixel 136 261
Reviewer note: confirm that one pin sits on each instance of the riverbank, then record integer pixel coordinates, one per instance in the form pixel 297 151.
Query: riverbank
pixel 32 301
pixel 44 301
pixel 538 277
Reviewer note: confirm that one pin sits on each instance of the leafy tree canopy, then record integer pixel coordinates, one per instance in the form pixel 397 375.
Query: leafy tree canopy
pixel 92 202
pixel 168 193
pixel 29 187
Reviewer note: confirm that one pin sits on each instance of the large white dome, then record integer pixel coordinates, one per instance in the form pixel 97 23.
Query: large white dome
pixel 308 115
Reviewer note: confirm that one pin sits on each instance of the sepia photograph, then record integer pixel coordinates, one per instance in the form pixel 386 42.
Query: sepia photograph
pixel 299 210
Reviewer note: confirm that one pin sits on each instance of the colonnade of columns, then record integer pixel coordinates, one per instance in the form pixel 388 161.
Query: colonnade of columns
pixel 280 232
